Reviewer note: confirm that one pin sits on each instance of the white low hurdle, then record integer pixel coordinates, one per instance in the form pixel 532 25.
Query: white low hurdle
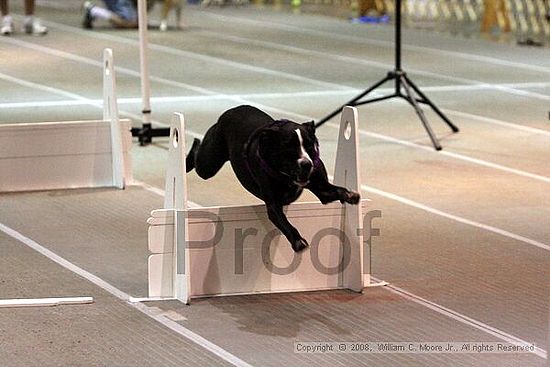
pixel 69 154
pixel 249 256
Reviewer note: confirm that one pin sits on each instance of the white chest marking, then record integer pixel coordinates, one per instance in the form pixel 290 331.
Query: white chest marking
pixel 303 153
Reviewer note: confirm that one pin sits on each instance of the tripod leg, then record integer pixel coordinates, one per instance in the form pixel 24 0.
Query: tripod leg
pixel 353 102
pixel 412 100
pixel 453 127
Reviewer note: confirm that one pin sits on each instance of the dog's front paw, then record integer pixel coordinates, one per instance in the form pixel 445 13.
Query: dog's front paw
pixel 351 197
pixel 299 245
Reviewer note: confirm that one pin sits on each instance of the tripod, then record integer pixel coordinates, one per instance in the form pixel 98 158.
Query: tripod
pixel 402 81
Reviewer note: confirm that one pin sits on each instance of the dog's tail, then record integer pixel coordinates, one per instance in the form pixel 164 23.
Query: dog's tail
pixel 190 159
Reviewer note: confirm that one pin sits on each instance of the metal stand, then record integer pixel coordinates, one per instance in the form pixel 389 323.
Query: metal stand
pixel 401 80
pixel 146 133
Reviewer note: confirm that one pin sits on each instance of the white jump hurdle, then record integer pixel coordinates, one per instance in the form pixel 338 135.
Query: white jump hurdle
pixel 69 154
pixel 192 256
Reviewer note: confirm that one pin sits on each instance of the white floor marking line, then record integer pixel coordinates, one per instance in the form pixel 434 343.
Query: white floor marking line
pixel 277 95
pixel 85 101
pixel 58 103
pixel 174 326
pixel 280 111
pixel 384 66
pixel 507 87
pixel 158 191
pixel 213 95
pixel 45 88
pixel 155 190
pixel 539 352
pixel 430 149
pixel 422 301
pixel 98 64
pixel 171 99
pixel 324 34
pixel 196 56
pixel 458 156
pixel 456 218
pixel 387 44
pixel 226 62
pixel 532 130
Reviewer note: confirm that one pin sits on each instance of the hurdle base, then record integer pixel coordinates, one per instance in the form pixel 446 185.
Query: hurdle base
pixel 258 264
pixel 64 155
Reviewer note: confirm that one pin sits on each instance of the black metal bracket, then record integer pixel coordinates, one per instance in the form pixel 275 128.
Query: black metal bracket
pixel 146 132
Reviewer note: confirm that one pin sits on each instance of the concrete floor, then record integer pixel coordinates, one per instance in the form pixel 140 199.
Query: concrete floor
pixel 464 232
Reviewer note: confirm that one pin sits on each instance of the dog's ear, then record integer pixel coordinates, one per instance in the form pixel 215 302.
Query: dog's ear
pixel 310 126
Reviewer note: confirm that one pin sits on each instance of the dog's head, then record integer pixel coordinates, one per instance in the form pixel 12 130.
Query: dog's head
pixel 291 149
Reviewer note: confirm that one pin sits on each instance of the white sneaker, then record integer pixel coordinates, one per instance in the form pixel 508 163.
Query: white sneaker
pixel 7 26
pixel 35 28
pixel 163 25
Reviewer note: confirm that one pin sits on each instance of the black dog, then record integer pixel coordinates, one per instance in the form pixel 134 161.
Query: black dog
pixel 274 160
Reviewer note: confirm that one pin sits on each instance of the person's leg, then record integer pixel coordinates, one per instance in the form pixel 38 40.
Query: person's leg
pixel 6 24
pixel 29 7
pixel 32 25
pixel 4 8
pixel 112 14
pixel 93 12
pixel 124 13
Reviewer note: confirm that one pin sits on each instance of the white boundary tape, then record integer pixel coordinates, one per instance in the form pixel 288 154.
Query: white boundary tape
pixel 44 302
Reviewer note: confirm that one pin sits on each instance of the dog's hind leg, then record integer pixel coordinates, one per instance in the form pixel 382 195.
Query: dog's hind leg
pixel 208 157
